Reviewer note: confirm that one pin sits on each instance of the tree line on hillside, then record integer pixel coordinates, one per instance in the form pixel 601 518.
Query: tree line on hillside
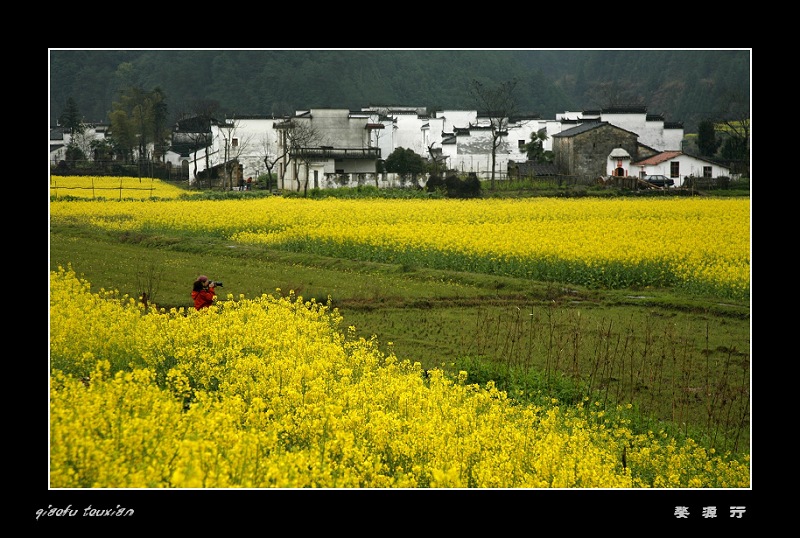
pixel 684 85
pixel 141 131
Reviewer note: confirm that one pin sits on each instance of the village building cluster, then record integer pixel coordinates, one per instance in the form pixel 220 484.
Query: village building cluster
pixel 329 148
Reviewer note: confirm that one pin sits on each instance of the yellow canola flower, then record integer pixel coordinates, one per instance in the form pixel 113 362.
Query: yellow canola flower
pixel 701 244
pixel 287 400
pixel 113 188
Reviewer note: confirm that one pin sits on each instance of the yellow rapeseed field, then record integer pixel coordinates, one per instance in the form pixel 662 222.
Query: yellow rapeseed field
pixel 698 244
pixel 281 397
pixel 112 188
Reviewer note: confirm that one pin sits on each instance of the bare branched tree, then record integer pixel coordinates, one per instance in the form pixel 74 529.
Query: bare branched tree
pixel 196 140
pixel 270 156
pixel 377 137
pixel 437 158
pixel 734 117
pixel 299 135
pixel 82 139
pixel 197 133
pixel 148 280
pixel 234 147
pixel 498 104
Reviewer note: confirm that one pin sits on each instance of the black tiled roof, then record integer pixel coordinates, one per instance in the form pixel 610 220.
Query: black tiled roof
pixel 582 128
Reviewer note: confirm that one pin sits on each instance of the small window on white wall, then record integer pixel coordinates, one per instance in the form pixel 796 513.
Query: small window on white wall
pixel 706 171
pixel 234 142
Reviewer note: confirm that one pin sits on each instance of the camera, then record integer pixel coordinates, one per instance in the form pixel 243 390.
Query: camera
pixel 217 283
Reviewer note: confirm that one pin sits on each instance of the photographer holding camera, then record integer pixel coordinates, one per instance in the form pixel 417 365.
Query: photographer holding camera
pixel 203 292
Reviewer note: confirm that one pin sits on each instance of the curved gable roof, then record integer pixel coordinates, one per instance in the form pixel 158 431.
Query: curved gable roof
pixel 619 153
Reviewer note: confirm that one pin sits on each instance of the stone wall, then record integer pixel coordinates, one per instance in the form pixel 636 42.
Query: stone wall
pixel 587 153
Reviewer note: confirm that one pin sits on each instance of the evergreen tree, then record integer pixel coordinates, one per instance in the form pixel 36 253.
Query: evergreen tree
pixel 71 118
pixel 707 142
pixel 535 148
pixel 404 162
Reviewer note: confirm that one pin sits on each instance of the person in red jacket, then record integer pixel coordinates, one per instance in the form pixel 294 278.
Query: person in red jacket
pixel 203 292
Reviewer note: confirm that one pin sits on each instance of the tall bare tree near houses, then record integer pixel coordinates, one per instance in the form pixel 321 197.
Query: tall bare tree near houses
pixel 295 137
pixel 268 157
pixel 234 147
pixel 197 133
pixel 734 129
pixel 499 105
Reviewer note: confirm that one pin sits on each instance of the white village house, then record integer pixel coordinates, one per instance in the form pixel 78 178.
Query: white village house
pixel 678 165
pixel 60 138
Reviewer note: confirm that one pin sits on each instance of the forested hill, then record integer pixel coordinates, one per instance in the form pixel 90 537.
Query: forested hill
pixel 685 86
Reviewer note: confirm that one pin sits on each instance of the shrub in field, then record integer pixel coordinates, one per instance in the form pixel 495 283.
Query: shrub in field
pixel 269 392
pixel 434 183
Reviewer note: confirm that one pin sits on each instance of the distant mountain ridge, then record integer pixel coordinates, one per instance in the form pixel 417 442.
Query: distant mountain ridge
pixel 685 86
